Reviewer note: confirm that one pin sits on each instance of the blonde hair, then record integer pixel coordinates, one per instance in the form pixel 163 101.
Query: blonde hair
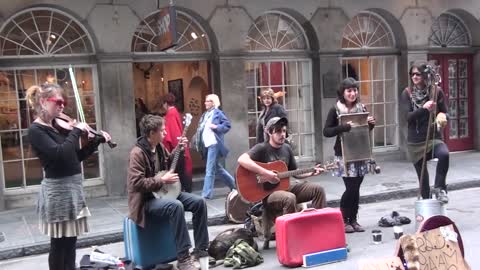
pixel 37 92
pixel 215 99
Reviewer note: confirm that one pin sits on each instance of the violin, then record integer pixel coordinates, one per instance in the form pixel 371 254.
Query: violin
pixel 64 123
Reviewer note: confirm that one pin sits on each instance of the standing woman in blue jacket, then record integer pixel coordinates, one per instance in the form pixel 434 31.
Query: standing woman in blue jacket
pixel 209 141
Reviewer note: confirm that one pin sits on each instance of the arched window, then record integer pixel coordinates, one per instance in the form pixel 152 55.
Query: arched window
pixel 449 31
pixel 191 37
pixel 367 31
pixel 276 32
pixel 290 78
pixel 40 33
pixel 376 73
pixel 43 32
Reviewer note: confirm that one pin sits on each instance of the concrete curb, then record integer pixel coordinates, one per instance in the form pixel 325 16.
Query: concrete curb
pixel 117 236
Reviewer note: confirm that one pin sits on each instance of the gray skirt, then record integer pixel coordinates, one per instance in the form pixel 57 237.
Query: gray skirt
pixel 62 208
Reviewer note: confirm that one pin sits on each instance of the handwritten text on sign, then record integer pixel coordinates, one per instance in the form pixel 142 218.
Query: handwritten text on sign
pixel 434 251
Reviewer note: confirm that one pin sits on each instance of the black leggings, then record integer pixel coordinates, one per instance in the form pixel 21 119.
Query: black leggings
pixel 62 254
pixel 440 151
pixel 351 196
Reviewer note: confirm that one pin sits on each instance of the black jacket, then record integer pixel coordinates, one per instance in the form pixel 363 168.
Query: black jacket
pixel 417 119
pixel 276 110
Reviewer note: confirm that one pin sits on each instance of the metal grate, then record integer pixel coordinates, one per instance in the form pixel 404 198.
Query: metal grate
pixel 43 32
pixel 367 31
pixel 276 32
pixel 449 31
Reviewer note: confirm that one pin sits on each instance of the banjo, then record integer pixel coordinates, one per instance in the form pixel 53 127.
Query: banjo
pixel 171 191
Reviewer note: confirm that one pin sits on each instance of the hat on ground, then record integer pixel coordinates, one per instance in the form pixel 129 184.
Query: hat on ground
pixel 276 120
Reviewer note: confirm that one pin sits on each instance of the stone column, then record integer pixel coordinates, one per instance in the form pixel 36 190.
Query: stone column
pixel 234 103
pixel 330 75
pixel 117 108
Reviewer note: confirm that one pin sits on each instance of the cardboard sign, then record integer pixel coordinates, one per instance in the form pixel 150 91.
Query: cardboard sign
pixel 391 263
pixel 435 249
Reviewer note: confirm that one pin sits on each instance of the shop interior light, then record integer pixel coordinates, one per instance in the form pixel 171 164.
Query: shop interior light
pixel 194 35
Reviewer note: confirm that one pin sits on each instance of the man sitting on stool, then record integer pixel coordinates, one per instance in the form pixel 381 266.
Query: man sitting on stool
pixel 148 172
pixel 280 202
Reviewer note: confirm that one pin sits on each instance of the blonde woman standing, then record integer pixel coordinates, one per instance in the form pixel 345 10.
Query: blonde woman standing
pixel 61 204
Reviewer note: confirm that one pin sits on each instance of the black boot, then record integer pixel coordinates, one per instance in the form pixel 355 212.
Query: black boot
pixel 353 220
pixel 346 220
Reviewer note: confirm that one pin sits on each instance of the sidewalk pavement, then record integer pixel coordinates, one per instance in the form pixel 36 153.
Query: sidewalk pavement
pixel 20 236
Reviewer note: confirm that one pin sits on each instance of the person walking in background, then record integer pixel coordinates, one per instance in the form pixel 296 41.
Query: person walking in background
pixel 61 204
pixel 209 142
pixel 147 173
pixel 271 109
pixel 348 102
pixel 417 104
pixel 174 129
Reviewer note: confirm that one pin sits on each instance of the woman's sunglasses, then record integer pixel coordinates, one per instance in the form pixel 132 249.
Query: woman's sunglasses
pixel 57 101
pixel 416 74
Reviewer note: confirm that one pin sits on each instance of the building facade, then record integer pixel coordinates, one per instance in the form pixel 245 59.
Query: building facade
pixel 300 49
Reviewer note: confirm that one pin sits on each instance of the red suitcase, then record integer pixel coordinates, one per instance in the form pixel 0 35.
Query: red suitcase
pixel 309 231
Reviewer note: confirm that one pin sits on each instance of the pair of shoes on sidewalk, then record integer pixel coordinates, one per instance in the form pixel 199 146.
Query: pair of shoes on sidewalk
pixel 440 194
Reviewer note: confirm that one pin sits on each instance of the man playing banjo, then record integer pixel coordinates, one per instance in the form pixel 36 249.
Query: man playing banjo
pixel 148 172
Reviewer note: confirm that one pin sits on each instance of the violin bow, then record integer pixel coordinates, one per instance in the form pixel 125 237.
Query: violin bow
pixel 77 95
pixel 78 101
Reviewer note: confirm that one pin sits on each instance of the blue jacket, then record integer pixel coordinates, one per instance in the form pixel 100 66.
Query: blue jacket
pixel 223 126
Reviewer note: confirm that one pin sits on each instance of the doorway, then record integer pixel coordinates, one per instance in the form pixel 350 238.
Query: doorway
pixel 187 80
pixel 457 83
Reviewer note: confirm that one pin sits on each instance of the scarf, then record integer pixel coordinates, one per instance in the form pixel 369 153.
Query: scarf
pixel 420 96
pixel 342 108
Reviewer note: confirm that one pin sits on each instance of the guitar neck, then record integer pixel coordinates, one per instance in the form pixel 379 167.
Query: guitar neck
pixel 295 172
pixel 176 151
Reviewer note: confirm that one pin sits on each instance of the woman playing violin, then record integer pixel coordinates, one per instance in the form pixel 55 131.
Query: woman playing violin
pixel 61 204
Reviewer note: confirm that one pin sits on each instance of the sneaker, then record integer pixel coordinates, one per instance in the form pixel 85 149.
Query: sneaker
pixel 441 195
pixel 186 263
pixel 357 227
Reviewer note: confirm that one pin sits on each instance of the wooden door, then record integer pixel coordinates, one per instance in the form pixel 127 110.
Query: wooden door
pixel 457 83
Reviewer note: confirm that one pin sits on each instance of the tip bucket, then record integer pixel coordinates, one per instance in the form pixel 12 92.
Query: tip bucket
pixel 427 208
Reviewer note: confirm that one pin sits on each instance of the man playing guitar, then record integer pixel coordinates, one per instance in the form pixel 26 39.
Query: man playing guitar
pixel 280 202
pixel 147 172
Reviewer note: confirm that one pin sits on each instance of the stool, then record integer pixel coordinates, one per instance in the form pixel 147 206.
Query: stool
pixel 149 246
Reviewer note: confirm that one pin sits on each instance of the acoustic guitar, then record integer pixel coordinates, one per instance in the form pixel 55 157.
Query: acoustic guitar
pixel 171 191
pixel 252 190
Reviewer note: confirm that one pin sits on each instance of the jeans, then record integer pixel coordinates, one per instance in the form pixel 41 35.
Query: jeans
pixel 440 151
pixel 213 168
pixel 174 211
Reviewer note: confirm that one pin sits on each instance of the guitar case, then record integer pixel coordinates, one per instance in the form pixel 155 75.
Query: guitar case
pixel 309 231
pixel 236 208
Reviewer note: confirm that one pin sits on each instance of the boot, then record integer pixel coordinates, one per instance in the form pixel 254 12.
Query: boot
pixel 353 220
pixel 346 220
